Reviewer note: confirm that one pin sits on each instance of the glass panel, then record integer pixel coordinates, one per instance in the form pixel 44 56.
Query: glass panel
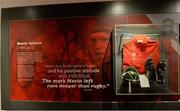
pixel 145 59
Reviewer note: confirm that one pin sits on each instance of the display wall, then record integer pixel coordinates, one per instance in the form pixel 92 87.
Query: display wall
pixel 73 56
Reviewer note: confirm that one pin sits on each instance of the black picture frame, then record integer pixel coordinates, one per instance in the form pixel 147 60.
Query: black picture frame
pixel 75 10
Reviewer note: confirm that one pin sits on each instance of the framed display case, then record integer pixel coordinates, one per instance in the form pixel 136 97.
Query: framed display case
pixel 144 61
pixel 73 56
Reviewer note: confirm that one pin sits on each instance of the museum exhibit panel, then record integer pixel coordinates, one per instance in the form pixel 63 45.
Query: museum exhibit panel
pixel 98 55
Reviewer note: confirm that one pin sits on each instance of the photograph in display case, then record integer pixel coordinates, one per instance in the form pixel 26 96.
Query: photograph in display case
pixel 145 62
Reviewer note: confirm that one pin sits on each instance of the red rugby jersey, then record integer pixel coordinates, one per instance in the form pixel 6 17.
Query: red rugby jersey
pixel 138 50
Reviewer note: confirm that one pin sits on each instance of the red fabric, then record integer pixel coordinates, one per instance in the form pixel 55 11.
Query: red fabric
pixel 138 50
pixel 140 38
